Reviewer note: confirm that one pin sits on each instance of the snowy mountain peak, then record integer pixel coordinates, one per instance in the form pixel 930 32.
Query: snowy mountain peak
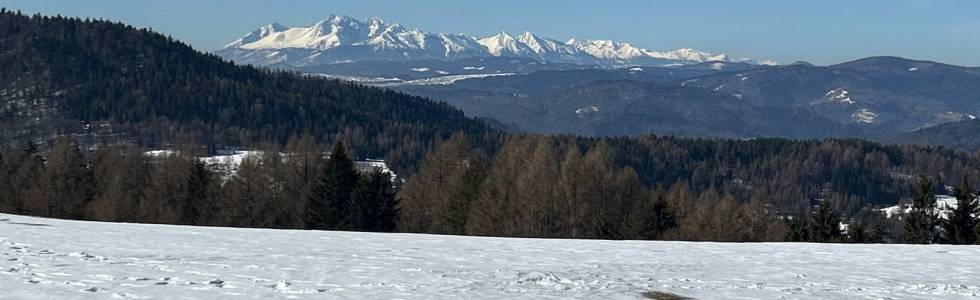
pixel 504 44
pixel 257 34
pixel 689 55
pixel 374 39
pixel 343 19
pixel 274 27
pixel 607 49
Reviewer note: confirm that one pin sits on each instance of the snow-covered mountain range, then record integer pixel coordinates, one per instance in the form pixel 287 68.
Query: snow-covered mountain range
pixel 339 39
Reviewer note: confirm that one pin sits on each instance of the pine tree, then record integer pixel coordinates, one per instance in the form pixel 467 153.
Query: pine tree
pixel 799 228
pixel 920 223
pixel 825 224
pixel 877 230
pixel 651 219
pixel 373 207
pixel 857 232
pixel 330 200
pixel 961 222
pixel 200 188
pixel 18 175
pixel 387 214
pixel 70 181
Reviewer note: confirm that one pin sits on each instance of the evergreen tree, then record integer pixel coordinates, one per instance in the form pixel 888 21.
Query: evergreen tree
pixel 920 223
pixel 961 222
pixel 857 232
pixel 373 207
pixel 468 189
pixel 799 228
pixel 877 230
pixel 18 175
pixel 825 224
pixel 70 181
pixel 200 188
pixel 330 201
pixel 651 219
pixel 387 214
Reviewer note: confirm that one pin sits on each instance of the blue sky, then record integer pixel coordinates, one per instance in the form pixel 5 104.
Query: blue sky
pixel 821 32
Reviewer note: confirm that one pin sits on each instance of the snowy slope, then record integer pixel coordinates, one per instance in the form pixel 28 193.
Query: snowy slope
pixel 340 39
pixel 56 259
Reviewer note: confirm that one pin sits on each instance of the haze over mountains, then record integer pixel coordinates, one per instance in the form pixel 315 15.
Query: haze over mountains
pixel 339 39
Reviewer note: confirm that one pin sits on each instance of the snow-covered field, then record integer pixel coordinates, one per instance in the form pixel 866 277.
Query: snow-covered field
pixel 57 259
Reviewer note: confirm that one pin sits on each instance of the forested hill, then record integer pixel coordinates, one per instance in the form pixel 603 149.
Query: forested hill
pixel 956 135
pixel 112 83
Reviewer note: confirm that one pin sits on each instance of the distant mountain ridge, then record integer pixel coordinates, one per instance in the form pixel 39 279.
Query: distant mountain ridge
pixel 874 98
pixel 961 135
pixel 343 39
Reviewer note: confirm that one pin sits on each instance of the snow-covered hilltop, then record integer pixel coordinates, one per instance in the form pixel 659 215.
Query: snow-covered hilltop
pixel 340 39
pixel 58 259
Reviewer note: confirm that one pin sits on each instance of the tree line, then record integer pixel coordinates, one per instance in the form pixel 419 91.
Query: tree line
pixel 532 186
pixel 299 190
pixel 570 187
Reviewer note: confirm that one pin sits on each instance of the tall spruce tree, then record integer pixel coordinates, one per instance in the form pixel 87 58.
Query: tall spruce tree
pixel 199 185
pixel 387 214
pixel 961 222
pixel 920 224
pixel 373 207
pixel 330 200
pixel 825 224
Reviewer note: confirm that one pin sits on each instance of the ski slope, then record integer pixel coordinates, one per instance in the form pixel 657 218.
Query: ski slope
pixel 57 259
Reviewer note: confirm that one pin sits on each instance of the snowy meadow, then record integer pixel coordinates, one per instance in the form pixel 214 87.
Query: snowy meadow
pixel 57 259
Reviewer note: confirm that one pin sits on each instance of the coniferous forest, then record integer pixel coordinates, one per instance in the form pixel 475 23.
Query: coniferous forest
pixel 111 83
pixel 83 99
